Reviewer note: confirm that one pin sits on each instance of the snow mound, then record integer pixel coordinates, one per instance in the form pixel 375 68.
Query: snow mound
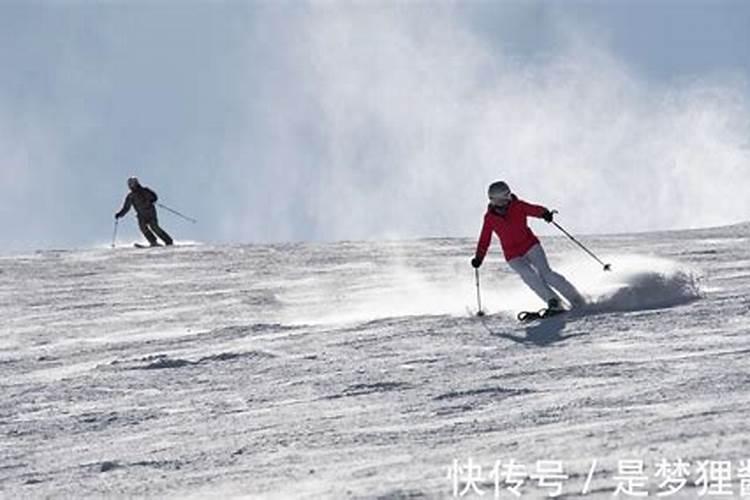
pixel 639 283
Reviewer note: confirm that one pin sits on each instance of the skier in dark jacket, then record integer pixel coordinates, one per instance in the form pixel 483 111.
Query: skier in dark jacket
pixel 142 199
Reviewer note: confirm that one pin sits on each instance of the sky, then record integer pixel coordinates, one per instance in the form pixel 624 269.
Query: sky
pixel 330 120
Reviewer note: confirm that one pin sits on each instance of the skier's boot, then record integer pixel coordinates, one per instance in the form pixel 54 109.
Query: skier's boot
pixel 554 306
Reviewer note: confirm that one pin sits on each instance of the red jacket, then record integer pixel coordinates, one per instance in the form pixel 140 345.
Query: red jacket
pixel 515 236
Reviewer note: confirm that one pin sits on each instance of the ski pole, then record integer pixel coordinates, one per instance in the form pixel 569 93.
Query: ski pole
pixel 178 213
pixel 479 295
pixel 114 234
pixel 607 267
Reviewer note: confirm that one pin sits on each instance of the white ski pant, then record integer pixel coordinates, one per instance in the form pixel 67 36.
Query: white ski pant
pixel 534 270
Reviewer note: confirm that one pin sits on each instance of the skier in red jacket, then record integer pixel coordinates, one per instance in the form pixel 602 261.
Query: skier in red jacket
pixel 506 216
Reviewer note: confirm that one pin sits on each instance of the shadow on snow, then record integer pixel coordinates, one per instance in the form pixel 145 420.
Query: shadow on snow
pixel 541 334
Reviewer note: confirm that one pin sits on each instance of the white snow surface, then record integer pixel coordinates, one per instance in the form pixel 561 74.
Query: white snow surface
pixel 359 370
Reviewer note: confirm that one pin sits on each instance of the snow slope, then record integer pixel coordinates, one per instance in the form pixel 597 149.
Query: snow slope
pixel 356 370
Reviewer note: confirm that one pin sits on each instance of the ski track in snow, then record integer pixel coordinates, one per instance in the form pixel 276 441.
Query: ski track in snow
pixel 353 370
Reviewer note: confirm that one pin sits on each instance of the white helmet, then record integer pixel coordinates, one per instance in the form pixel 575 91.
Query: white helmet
pixel 499 194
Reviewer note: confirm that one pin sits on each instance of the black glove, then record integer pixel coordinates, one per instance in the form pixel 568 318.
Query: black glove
pixel 476 262
pixel 117 215
pixel 548 215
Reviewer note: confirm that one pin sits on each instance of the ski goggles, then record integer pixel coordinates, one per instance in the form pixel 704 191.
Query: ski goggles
pixel 500 201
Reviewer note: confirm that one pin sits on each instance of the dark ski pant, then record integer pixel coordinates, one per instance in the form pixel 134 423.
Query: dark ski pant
pixel 149 226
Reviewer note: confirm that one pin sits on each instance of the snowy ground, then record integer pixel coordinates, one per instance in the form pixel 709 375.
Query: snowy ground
pixel 355 370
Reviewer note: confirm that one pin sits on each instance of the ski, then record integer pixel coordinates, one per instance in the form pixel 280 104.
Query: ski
pixel 526 316
pixel 141 245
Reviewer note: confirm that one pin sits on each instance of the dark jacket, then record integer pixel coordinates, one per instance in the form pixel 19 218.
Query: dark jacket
pixel 142 199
